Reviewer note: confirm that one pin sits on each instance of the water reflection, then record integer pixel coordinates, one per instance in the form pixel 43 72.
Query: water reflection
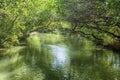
pixel 76 59
pixel 61 58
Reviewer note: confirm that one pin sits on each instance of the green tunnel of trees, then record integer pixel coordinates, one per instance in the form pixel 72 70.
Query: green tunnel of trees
pixel 97 20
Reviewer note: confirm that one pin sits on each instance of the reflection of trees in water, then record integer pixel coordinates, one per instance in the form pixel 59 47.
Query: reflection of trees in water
pixel 107 58
pixel 76 42
pixel 88 63
pixel 14 67
pixel 85 63
pixel 101 65
pixel 42 59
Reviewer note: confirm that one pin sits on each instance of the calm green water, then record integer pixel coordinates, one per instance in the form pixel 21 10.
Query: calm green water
pixel 65 58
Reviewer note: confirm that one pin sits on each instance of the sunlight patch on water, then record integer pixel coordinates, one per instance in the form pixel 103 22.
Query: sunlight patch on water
pixel 61 58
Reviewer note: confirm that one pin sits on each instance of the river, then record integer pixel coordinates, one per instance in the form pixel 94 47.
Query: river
pixel 59 58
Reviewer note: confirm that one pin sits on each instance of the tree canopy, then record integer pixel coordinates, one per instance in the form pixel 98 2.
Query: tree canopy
pixel 98 20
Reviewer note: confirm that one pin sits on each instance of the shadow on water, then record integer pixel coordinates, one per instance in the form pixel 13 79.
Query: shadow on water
pixel 59 58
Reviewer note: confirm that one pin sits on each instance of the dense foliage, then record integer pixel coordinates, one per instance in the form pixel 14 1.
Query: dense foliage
pixel 19 17
pixel 98 20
